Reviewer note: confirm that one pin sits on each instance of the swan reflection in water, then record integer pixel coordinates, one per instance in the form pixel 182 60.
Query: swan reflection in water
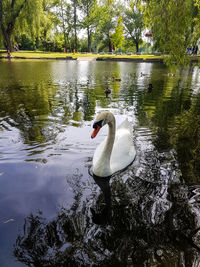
pixel 103 213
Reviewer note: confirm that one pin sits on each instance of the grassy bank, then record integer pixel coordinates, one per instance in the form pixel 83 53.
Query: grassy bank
pixel 41 54
pixel 61 55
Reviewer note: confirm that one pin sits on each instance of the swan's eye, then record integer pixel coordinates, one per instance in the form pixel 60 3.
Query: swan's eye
pixel 98 123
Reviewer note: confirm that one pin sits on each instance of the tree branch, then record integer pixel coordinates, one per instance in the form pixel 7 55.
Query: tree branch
pixel 15 16
pixel 1 11
pixel 12 4
pixel 19 9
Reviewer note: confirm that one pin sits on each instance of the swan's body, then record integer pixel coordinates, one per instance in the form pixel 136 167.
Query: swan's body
pixel 117 151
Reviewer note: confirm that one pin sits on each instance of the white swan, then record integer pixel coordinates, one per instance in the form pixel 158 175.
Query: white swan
pixel 117 151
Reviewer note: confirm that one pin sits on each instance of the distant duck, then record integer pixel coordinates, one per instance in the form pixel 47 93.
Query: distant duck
pixel 143 74
pixel 150 87
pixel 171 74
pixel 107 91
pixel 116 79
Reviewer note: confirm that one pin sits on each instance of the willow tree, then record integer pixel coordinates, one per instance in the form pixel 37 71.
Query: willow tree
pixel 196 21
pixel 172 23
pixel 19 16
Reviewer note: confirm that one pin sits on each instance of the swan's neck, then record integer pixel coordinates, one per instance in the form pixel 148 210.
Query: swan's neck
pixel 103 167
pixel 109 141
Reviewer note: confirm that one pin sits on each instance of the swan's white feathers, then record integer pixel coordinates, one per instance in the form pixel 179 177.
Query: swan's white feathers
pixel 125 125
pixel 124 144
pixel 98 151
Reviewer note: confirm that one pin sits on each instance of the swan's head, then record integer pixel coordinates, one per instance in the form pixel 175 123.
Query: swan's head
pixel 102 119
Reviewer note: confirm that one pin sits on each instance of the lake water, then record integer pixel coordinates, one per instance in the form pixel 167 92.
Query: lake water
pixel 53 212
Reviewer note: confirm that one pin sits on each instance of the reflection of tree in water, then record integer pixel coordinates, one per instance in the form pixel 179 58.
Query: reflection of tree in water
pixel 27 109
pixel 89 104
pixel 149 223
pixel 172 112
pixel 185 136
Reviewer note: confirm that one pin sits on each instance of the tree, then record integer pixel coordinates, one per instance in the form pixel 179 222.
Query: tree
pixel 173 30
pixel 21 15
pixel 75 4
pixel 133 24
pixel 47 22
pixel 196 22
pixel 117 37
pixel 108 16
pixel 91 18
pixel 65 20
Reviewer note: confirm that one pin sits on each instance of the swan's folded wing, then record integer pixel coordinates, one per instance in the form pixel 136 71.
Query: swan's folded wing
pixel 123 151
pixel 125 125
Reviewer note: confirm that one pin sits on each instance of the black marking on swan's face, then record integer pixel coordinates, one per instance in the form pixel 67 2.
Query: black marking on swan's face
pixel 98 123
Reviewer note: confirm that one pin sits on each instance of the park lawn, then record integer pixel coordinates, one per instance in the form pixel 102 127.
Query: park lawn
pixel 41 54
pixel 37 54
pixel 56 55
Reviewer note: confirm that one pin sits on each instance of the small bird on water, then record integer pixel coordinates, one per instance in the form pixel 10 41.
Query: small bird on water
pixel 116 79
pixel 150 87
pixel 107 91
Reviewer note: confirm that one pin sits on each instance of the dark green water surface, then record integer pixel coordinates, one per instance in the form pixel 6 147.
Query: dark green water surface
pixel 53 212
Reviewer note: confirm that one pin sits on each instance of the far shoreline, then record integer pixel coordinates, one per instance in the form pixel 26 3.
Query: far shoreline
pixel 150 60
pixel 40 55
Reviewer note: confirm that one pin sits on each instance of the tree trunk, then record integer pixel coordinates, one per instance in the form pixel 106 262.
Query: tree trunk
pixel 65 42
pixel 68 43
pixel 8 30
pixel 75 25
pixel 137 47
pixel 110 45
pixel 7 38
pixel 89 40
pixel 63 25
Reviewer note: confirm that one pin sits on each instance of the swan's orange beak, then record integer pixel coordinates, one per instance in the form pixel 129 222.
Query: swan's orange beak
pixel 95 132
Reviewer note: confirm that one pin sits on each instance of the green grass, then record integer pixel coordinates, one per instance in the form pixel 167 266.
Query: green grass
pixel 57 55
pixel 41 54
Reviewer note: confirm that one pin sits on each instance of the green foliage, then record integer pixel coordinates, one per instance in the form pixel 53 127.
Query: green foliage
pixel 18 17
pixel 90 11
pixel 48 20
pixel 64 22
pixel 133 22
pixel 117 37
pixel 91 16
pixel 109 15
pixel 54 43
pixel 128 46
pixel 173 30
pixel 83 45
pixel 25 42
